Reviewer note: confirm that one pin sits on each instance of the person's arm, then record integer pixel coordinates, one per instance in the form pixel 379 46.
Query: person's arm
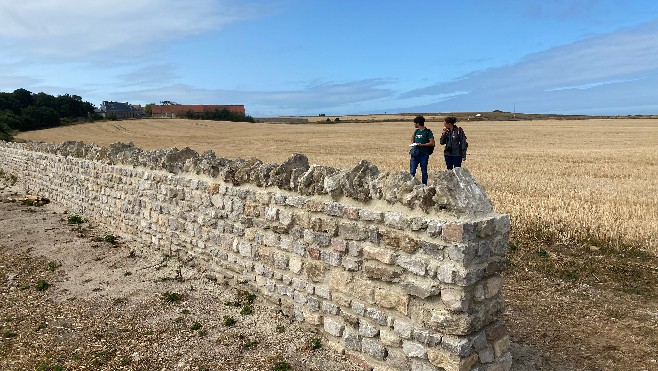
pixel 428 144
pixel 444 138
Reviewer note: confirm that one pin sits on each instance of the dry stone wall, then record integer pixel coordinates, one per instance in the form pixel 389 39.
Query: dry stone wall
pixel 397 274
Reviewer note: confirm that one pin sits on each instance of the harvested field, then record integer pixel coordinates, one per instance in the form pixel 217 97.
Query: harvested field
pixel 581 288
pixel 585 181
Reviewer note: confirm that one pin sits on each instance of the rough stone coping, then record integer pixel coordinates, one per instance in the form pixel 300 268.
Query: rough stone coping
pixel 450 191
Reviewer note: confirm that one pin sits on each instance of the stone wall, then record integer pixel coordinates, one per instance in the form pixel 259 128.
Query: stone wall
pixel 397 274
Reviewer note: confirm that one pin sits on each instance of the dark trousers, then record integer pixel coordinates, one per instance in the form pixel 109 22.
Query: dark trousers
pixel 453 161
pixel 421 160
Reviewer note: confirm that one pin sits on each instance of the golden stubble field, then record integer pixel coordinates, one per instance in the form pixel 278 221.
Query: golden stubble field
pixel 586 181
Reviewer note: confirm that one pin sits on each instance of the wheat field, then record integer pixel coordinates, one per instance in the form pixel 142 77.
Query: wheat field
pixel 585 181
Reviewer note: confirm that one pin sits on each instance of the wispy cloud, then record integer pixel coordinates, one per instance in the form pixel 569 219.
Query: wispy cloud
pixel 157 74
pixel 583 71
pixel 82 28
pixel 328 96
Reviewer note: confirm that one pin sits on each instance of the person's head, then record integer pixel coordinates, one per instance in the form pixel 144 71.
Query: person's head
pixel 419 121
pixel 449 122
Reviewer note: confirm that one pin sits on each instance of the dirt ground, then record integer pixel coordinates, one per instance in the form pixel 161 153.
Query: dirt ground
pixel 71 300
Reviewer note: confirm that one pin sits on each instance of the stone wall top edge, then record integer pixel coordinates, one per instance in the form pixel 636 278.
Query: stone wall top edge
pixel 451 192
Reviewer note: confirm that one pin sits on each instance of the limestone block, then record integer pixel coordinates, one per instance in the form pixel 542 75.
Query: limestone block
pixel 400 241
pixel 420 287
pixel 332 258
pixel 389 338
pixel 501 346
pixel 340 281
pixel 323 293
pixel 371 216
pixel 453 232
pixel 383 255
pixel 315 270
pixel 382 272
pixel 396 360
pixel 455 298
pixel 339 244
pixel 334 209
pixel 390 299
pixel 366 329
pixel 352 231
pixel 403 328
pixel 396 220
pixel 419 365
pixel 352 340
pixel 373 348
pixel 333 326
pixel 414 265
pixel 414 350
pixel 376 315
pixel 418 224
pixel 351 213
pixel 427 337
pixel 352 264
pixel 448 361
pixel 329 307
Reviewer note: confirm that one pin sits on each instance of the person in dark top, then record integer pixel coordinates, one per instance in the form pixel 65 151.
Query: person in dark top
pixel 454 139
pixel 422 145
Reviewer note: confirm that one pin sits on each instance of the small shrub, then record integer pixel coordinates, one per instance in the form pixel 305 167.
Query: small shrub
pixel 110 238
pixel 246 310
pixel 52 266
pixel 280 329
pixel 9 334
pixel 315 343
pixel 42 285
pixel 75 219
pixel 196 326
pixel 248 343
pixel 172 297
pixel 282 366
pixel 229 321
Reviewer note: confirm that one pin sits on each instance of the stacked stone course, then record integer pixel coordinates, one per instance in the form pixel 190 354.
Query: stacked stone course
pixel 397 274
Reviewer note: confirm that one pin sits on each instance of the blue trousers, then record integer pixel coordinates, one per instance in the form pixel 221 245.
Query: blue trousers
pixel 453 161
pixel 421 160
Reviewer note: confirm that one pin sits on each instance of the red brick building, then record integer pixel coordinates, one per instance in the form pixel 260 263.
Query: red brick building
pixel 179 110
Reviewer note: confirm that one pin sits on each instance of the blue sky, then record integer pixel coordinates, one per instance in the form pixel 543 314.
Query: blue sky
pixel 295 57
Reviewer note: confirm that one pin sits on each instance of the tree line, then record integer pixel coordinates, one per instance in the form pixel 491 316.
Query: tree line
pixel 22 110
pixel 219 115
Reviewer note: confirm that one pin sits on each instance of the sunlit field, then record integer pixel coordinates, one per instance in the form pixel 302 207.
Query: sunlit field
pixel 585 181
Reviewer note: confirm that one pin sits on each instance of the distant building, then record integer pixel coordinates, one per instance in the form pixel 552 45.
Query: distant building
pixel 120 110
pixel 179 110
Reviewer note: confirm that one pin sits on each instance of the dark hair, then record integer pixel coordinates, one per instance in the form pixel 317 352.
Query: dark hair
pixel 450 120
pixel 420 120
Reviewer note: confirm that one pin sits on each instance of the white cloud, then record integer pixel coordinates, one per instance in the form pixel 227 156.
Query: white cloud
pixel 326 97
pixel 82 28
pixel 592 72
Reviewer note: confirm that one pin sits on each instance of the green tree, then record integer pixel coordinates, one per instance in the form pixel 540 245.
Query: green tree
pixel 24 97
pixel 38 118
pixel 148 109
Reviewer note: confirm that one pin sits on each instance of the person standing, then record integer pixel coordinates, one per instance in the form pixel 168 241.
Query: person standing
pixel 422 145
pixel 454 139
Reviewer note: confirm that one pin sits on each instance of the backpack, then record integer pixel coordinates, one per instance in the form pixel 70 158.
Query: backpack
pixel 461 132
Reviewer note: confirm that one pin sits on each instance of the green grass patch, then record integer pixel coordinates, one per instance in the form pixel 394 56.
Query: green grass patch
pixel 41 285
pixel 74 219
pixel 172 297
